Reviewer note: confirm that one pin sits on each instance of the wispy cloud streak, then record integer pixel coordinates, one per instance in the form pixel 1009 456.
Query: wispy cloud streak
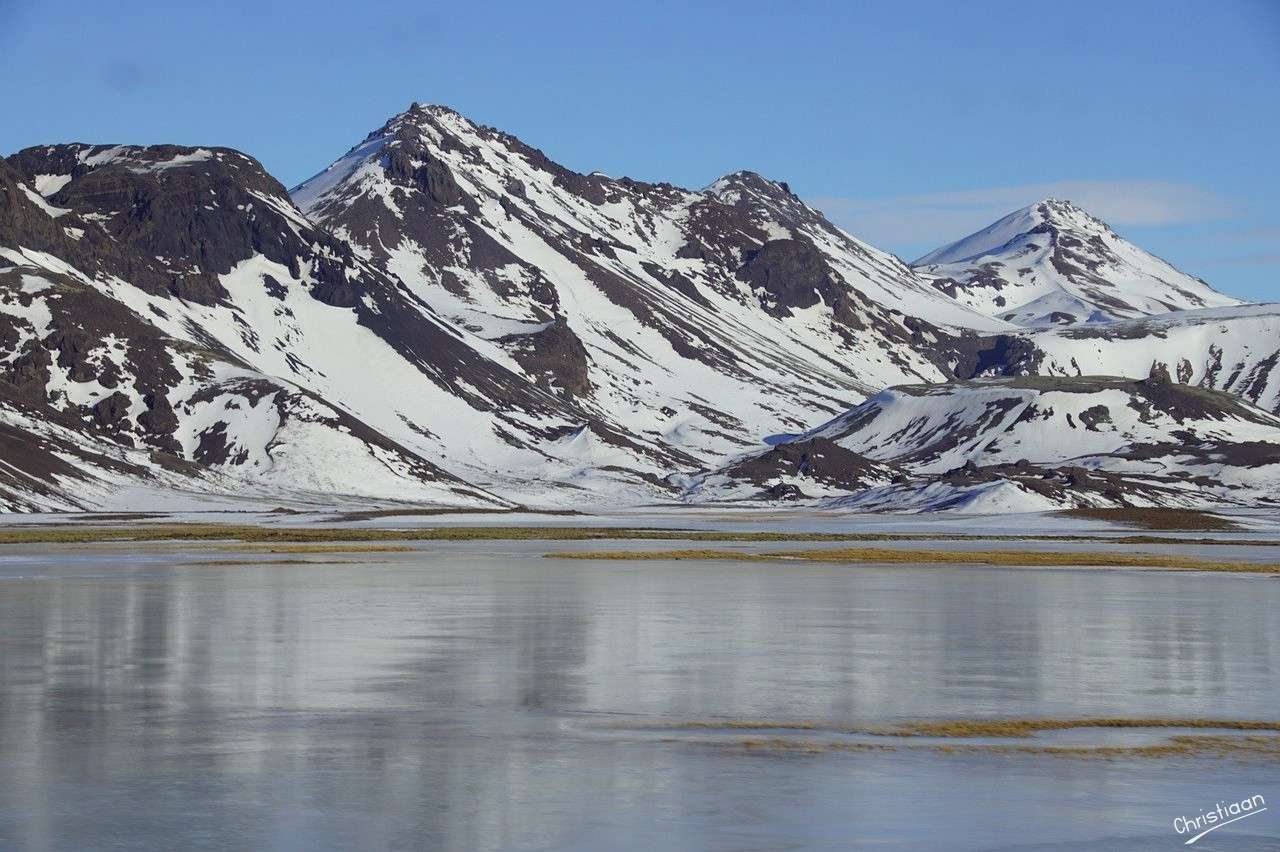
pixel 938 218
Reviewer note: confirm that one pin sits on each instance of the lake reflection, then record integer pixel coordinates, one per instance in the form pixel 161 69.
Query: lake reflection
pixel 438 700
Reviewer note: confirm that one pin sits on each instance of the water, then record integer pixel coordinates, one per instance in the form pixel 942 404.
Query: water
pixel 481 697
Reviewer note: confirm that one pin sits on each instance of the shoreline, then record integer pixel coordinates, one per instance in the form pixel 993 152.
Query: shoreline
pixel 853 548
pixel 73 533
pixel 902 556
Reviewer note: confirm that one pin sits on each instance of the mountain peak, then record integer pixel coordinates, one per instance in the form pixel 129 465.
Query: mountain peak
pixel 734 185
pixel 1051 206
pixel 429 114
pixel 430 122
pixel 430 109
pixel 1052 262
pixel 1057 213
pixel 1068 215
pixel 417 128
pixel 770 200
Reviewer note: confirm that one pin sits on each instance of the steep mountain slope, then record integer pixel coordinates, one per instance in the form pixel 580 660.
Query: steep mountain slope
pixel 49 463
pixel 1052 263
pixel 699 320
pixel 1028 444
pixel 1235 349
pixel 174 299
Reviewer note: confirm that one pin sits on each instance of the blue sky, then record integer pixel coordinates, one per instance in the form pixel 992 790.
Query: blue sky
pixel 910 123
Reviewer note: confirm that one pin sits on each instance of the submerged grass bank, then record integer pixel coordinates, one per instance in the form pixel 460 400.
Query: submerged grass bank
pixel 974 728
pixel 1178 746
pixel 904 556
pixel 1256 739
pixel 1029 727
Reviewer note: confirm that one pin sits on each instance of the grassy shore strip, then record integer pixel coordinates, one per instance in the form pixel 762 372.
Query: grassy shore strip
pixel 903 556
pixel 76 534
pixel 1149 518
pixel 1158 518
pixel 267 563
pixel 310 547
pixel 382 514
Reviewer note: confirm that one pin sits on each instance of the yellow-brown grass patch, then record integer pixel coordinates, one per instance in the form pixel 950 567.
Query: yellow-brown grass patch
pixel 906 556
pixel 1158 519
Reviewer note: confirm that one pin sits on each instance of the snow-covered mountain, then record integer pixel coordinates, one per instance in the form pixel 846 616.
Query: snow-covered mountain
pixel 702 320
pixel 1235 349
pixel 1052 263
pixel 174 300
pixel 1023 444
pixel 447 316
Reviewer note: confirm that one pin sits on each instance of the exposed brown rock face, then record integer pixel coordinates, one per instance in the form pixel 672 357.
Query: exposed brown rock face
pixel 554 356
pixel 432 178
pixel 171 219
pixel 818 460
pixel 111 410
pixel 28 374
pixel 790 274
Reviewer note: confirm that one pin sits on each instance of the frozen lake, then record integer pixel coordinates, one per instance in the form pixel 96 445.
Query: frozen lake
pixel 478 696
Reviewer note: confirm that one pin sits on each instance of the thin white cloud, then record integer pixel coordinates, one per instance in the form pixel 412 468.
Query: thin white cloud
pixel 1267 259
pixel 939 218
pixel 1264 234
